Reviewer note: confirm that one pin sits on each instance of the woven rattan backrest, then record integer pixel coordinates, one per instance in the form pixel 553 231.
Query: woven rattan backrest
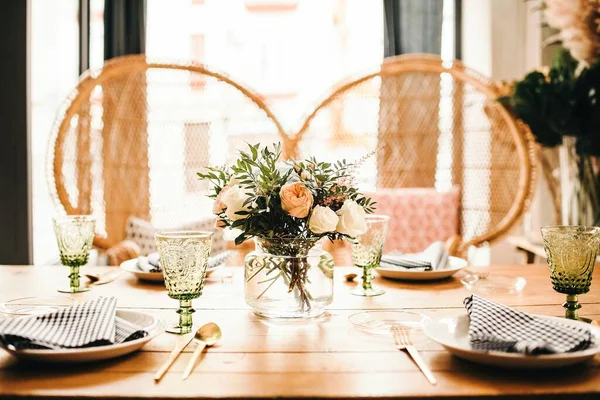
pixel 131 137
pixel 441 125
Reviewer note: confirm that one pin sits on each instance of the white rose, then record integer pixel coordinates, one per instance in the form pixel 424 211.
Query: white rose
pixel 233 181
pixel 351 219
pixel 234 199
pixel 322 220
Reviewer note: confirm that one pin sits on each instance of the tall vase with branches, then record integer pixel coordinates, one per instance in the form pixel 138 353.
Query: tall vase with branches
pixel 561 106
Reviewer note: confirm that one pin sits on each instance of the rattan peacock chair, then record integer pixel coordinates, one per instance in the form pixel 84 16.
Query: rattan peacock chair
pixel 130 138
pixel 436 124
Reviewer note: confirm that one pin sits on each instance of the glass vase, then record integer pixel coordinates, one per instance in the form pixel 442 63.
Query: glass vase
pixel 578 186
pixel 288 278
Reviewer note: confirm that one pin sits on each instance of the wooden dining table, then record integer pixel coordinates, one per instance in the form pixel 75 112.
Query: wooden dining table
pixel 325 357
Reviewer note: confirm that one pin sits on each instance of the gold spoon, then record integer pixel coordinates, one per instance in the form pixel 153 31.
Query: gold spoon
pixel 101 279
pixel 206 336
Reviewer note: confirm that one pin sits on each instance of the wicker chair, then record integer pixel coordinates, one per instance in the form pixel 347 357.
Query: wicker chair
pixel 436 124
pixel 131 137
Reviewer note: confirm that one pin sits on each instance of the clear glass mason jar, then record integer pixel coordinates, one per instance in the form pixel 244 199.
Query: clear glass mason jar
pixel 288 278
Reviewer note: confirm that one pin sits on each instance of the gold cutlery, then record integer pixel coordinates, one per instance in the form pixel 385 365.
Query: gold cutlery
pixel 181 344
pixel 102 279
pixel 404 342
pixel 206 336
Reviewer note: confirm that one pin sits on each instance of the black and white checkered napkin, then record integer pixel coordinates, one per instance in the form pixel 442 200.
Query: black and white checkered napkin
pixel 152 262
pixel 432 258
pixel 93 323
pixel 495 327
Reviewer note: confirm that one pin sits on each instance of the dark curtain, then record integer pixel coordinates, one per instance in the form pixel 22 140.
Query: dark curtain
pixel 408 121
pixel 125 120
pixel 412 26
pixel 124 27
pixel 15 155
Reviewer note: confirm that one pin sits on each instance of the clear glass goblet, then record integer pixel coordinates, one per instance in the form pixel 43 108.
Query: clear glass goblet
pixel 366 253
pixel 571 252
pixel 74 235
pixel 184 259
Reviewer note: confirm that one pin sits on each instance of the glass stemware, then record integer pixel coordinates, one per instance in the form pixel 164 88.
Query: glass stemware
pixel 184 259
pixel 571 252
pixel 366 253
pixel 74 235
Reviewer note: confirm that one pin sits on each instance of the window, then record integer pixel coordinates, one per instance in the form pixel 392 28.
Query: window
pixel 289 51
pixel 54 72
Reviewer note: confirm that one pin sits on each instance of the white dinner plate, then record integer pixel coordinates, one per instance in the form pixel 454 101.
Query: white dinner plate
pixel 455 264
pixel 151 324
pixel 453 333
pixel 132 266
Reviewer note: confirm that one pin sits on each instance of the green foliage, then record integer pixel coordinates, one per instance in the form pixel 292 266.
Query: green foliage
pixel 260 175
pixel 566 102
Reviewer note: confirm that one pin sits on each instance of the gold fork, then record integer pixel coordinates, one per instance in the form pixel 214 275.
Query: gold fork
pixel 404 342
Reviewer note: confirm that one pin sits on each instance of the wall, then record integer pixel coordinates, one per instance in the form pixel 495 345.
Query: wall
pixel 502 39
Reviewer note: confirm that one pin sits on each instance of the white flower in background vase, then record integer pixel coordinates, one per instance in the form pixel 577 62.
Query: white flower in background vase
pixel 234 199
pixel 323 220
pixel 351 219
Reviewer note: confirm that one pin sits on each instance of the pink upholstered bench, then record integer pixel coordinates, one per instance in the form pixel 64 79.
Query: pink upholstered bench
pixel 418 216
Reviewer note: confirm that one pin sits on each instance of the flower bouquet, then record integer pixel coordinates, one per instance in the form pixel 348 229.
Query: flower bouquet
pixel 287 207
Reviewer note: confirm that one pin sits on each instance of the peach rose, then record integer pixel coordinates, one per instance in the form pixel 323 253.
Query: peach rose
pixel 296 199
pixel 219 206
pixel 219 223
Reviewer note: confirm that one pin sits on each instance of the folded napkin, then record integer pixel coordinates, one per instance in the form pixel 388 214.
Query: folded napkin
pixel 93 323
pixel 432 258
pixel 495 327
pixel 151 263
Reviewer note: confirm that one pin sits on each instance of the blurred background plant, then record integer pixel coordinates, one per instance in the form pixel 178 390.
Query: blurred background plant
pixel 561 106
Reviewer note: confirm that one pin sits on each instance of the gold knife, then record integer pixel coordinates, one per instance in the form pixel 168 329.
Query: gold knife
pixel 181 344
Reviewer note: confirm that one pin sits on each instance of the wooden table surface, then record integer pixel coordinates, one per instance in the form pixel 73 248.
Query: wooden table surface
pixel 324 358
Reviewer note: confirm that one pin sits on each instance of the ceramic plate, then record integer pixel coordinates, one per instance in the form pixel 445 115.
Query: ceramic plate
pixel 382 322
pixel 35 305
pixel 132 266
pixel 455 264
pixel 493 284
pixel 153 325
pixel 453 334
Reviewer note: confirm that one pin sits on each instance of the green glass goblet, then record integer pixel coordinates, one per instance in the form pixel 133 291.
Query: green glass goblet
pixel 571 252
pixel 366 253
pixel 74 235
pixel 184 259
